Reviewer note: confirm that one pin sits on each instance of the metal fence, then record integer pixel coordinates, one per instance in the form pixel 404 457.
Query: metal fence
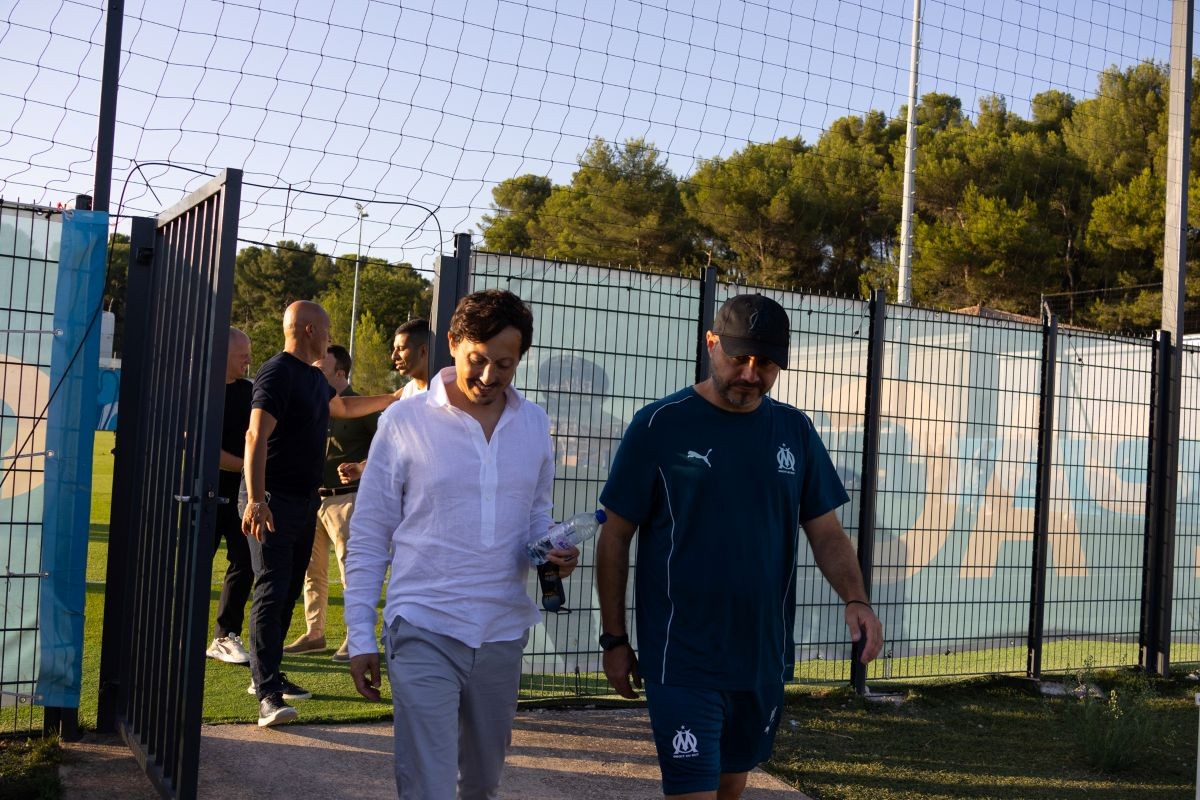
pixel 51 277
pixel 1007 505
pixel 165 483
pixel 29 245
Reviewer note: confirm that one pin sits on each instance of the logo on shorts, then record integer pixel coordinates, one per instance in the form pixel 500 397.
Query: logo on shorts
pixel 685 743
pixel 786 460
pixel 770 720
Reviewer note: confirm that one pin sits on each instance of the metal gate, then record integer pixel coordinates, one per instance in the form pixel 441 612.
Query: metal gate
pixel 165 481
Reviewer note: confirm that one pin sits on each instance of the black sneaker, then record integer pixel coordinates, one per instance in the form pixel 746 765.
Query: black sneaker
pixel 289 690
pixel 273 711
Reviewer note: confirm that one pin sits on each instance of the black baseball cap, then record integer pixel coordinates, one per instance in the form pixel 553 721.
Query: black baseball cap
pixel 754 325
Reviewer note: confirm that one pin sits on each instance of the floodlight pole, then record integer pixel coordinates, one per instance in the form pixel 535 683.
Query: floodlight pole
pixel 362 214
pixel 1155 635
pixel 904 278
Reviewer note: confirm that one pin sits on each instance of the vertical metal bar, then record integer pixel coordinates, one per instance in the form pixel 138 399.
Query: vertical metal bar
pixel 120 579
pixel 462 252
pixel 1154 635
pixel 110 78
pixel 1041 509
pixel 870 466
pixel 212 408
pixel 449 286
pixel 704 320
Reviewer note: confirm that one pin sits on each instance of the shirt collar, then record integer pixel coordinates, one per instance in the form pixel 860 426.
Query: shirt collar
pixel 437 395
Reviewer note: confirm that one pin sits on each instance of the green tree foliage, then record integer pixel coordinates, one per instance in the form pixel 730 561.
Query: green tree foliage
pixel 372 371
pixel 753 212
pixel 622 206
pixel 1068 200
pixel 1122 130
pixel 515 203
pixel 267 280
pixel 989 254
pixel 391 293
pixel 114 285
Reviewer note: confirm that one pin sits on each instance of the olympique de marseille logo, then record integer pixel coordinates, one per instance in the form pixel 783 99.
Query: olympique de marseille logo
pixel 786 460
pixel 685 744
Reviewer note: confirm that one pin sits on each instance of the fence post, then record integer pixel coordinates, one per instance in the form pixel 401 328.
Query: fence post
pixel 107 123
pixel 126 454
pixel 451 284
pixel 870 467
pixel 1158 558
pixel 704 320
pixel 1041 508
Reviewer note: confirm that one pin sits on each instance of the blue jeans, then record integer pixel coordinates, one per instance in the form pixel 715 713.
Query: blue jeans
pixel 280 561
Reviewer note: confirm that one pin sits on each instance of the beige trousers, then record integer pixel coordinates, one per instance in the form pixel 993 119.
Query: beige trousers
pixel 333 528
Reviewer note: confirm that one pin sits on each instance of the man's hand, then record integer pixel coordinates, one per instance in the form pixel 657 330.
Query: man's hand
pixel 621 669
pixel 365 671
pixel 566 560
pixel 861 619
pixel 350 471
pixel 258 520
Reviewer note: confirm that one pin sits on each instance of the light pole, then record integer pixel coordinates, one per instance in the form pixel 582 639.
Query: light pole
pixel 362 214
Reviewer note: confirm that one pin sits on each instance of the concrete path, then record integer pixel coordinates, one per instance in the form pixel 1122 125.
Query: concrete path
pixel 556 755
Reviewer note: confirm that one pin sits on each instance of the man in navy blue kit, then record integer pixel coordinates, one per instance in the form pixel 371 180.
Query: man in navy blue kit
pixel 719 479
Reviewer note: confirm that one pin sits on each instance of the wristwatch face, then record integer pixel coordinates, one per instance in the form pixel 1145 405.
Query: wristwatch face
pixel 608 641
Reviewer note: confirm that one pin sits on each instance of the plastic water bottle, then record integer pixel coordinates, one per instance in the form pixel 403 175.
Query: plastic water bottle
pixel 568 533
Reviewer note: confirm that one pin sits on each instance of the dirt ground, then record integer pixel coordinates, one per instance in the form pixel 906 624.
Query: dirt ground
pixel 555 755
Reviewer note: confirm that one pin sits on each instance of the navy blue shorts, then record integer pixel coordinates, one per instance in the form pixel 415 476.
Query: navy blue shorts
pixel 701 733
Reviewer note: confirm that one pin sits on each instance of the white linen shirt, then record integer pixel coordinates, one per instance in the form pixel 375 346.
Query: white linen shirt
pixel 411 389
pixel 451 512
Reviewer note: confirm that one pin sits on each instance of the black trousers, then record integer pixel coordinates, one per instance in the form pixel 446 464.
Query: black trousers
pixel 280 561
pixel 239 578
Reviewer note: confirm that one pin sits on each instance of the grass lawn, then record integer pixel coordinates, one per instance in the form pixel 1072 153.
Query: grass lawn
pixel 29 769
pixel 981 738
pixel 225 697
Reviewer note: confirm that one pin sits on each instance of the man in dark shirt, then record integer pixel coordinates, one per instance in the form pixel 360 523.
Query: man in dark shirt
pixel 717 481
pixel 284 462
pixel 349 440
pixel 239 577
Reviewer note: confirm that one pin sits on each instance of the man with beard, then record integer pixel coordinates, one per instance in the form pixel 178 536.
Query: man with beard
pixel 719 479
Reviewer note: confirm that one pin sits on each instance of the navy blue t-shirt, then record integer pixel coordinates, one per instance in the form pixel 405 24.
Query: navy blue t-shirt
pixel 718 498
pixel 297 396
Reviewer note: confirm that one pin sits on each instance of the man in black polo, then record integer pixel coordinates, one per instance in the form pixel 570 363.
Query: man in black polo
pixel 227 643
pixel 284 464
pixel 349 440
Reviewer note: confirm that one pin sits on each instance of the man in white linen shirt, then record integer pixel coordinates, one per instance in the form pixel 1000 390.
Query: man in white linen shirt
pixel 458 480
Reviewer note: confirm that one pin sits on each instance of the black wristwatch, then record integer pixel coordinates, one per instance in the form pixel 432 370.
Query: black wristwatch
pixel 608 641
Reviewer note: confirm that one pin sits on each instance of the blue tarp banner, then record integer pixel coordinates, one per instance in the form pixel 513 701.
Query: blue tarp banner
pixel 70 430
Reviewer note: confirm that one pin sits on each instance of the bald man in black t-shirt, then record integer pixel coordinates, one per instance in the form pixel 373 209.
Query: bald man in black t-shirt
pixel 284 463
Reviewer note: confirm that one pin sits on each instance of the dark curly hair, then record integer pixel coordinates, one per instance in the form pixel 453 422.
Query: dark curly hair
pixel 481 315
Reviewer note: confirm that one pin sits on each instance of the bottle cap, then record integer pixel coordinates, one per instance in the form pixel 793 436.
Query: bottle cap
pixel 601 517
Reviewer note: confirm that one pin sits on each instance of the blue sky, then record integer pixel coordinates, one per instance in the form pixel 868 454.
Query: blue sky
pixel 432 103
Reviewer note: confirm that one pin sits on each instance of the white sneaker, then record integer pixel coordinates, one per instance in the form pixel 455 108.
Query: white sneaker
pixel 228 649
